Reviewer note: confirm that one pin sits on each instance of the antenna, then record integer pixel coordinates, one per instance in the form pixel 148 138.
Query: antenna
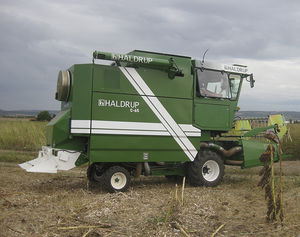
pixel 204 55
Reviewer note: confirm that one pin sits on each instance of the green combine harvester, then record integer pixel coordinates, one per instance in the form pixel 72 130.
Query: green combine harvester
pixel 152 114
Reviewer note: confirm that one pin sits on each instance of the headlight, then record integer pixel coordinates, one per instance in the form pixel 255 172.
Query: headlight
pixel 63 85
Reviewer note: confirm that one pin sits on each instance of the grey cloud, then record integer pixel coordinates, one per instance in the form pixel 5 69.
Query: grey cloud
pixel 38 38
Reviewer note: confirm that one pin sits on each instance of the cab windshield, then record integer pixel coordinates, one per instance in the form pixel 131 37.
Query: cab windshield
pixel 218 84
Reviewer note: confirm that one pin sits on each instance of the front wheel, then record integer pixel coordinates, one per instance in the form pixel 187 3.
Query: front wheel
pixel 116 179
pixel 207 169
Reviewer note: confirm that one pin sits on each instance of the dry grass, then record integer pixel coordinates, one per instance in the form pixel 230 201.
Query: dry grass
pixel 15 119
pixel 292 148
pixel 42 204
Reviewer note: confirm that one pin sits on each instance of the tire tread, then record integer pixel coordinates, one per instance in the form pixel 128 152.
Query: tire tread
pixel 107 178
pixel 195 169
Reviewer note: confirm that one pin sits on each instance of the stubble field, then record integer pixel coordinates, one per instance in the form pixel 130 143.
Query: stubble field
pixel 66 204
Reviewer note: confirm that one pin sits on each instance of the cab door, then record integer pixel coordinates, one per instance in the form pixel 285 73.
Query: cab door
pixel 214 104
pixel 211 114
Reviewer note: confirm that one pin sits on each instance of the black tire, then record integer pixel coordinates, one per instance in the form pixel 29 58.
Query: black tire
pixel 207 169
pixel 116 179
pixel 93 173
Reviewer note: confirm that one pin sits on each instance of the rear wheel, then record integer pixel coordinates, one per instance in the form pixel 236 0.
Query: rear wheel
pixel 116 179
pixel 94 173
pixel 207 169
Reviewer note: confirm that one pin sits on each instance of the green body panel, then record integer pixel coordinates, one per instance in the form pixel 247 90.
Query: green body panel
pixel 212 114
pixel 77 107
pixel 58 133
pixel 179 87
pixel 108 79
pixel 253 149
pixel 57 130
pixel 121 148
pixel 82 159
pixel 136 155
pixel 142 113
pixel 82 92
pixel 179 109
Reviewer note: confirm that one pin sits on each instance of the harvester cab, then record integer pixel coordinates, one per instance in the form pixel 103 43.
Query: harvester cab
pixel 216 94
pixel 150 114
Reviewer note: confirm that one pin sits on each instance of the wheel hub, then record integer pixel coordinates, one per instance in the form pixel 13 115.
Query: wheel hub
pixel 118 180
pixel 206 170
pixel 211 170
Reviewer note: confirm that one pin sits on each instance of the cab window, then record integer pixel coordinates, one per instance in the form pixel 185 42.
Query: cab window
pixel 217 84
pixel 235 82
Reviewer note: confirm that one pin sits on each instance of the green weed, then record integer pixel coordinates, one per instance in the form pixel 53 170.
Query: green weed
pixel 22 135
pixel 17 156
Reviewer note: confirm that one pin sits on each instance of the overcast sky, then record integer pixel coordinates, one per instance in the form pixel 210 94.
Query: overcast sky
pixel 39 38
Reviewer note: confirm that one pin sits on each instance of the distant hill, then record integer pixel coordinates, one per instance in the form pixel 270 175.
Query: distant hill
pixel 289 115
pixel 24 112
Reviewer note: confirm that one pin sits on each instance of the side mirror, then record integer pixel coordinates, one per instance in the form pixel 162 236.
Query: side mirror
pixel 252 81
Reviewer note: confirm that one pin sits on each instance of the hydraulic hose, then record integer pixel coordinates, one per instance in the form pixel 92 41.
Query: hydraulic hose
pixel 226 153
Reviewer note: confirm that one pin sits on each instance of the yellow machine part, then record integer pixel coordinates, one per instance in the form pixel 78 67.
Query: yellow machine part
pixel 242 125
pixel 280 120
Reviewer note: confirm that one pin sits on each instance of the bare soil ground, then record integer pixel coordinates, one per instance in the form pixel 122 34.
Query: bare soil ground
pixel 66 204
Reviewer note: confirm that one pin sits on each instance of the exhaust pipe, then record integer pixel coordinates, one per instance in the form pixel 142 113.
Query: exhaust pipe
pixel 147 169
pixel 233 162
pixel 138 170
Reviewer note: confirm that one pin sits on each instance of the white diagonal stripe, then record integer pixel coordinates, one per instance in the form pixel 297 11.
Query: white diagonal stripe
pixel 156 112
pixel 193 134
pixel 166 116
pixel 159 110
pixel 189 128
